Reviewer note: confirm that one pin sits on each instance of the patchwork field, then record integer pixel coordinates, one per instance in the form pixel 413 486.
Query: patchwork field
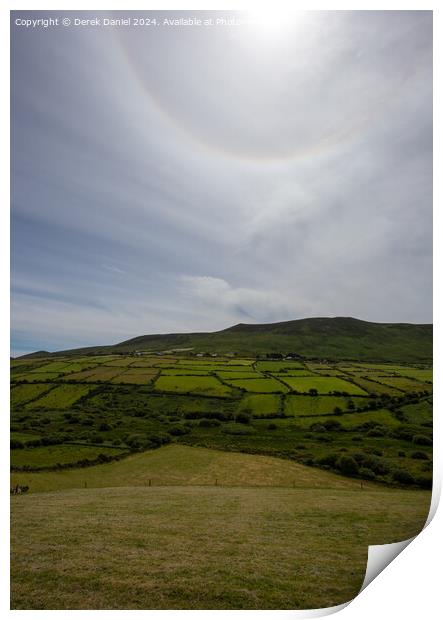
pixel 47 456
pixel 258 385
pixel 315 405
pixel 198 385
pixel 323 385
pixel 200 458
pixel 261 404
pixel 60 397
pixel 22 394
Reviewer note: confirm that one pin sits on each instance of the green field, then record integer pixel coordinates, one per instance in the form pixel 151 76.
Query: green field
pixel 258 385
pixel 196 385
pixel 36 377
pixel 195 547
pixel 277 366
pixel 351 420
pixel 61 397
pixel 239 374
pixel 47 456
pixel 323 385
pixel 21 394
pixel 317 405
pixel 260 404
pixel 405 384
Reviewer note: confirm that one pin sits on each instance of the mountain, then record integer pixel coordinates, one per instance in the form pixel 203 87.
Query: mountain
pixel 332 338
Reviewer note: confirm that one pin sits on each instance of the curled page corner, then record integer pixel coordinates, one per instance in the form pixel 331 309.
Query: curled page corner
pixel 380 556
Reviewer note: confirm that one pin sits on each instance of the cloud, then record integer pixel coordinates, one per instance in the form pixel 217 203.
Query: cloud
pixel 196 178
pixel 219 297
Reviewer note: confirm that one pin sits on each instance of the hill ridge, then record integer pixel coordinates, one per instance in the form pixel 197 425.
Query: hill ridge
pixel 318 337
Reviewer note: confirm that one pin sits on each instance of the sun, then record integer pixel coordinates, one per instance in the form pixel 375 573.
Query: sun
pixel 273 26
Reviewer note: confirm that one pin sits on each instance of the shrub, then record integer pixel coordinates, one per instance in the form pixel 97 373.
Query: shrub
pixel 16 444
pixel 178 429
pixel 329 459
pixel 367 474
pixel 243 418
pixel 422 440
pixel 272 427
pixel 209 423
pixel 402 476
pixel 104 426
pixel 425 482
pixel 419 455
pixel 348 465
pixel 338 410
pixel 375 432
pixel 318 428
pixel 333 425
pixel 401 453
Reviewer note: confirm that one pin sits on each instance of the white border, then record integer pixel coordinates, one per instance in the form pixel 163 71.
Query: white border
pixel 410 586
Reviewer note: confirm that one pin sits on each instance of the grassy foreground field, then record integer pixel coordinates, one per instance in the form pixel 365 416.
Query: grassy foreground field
pixel 201 547
pixel 273 534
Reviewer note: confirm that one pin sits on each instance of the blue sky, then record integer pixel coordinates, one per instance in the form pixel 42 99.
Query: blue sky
pixel 186 179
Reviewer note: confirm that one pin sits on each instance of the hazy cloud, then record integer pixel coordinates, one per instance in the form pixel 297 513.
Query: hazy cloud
pixel 201 177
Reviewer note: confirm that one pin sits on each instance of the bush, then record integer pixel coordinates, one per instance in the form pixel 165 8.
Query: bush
pixel 329 459
pixel 16 444
pixel 209 423
pixel 272 427
pixel 348 466
pixel 375 432
pixel 179 430
pixel 422 440
pixel 104 426
pixel 425 482
pixel 402 476
pixel 367 474
pixel 419 455
pixel 333 425
pixel 318 428
pixel 401 453
pixel 338 410
pixel 243 418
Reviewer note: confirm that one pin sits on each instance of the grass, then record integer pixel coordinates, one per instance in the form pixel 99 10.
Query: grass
pixel 374 387
pixel 61 397
pixel 350 420
pixel 21 394
pixel 37 377
pixel 418 374
pixel 179 465
pixel 277 366
pixel 405 384
pixel 47 456
pixel 258 385
pixel 323 385
pixel 418 413
pixel 235 374
pixel 260 404
pixel 196 385
pixel 317 405
pixel 197 547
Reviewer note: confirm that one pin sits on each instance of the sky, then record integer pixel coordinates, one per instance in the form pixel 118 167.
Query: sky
pixel 188 178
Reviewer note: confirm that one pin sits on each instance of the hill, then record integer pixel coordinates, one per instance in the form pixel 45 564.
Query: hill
pixel 332 338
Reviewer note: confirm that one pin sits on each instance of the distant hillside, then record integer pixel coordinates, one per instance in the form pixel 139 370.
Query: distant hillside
pixel 332 338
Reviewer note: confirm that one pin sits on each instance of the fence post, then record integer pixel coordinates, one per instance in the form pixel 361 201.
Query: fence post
pixel 149 482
